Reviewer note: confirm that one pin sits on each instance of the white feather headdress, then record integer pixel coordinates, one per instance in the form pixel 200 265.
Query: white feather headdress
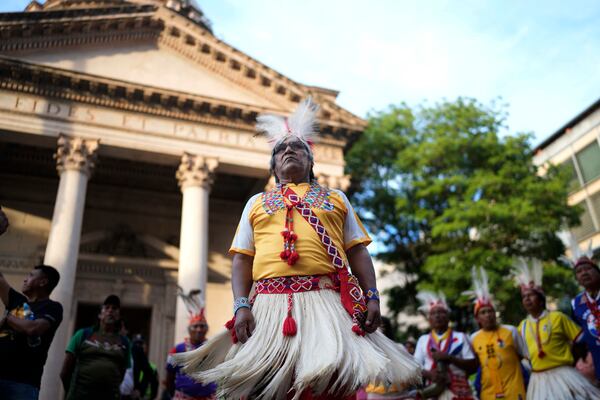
pixel 301 124
pixel 193 303
pixel 481 289
pixel 578 256
pixel 528 274
pixel 430 300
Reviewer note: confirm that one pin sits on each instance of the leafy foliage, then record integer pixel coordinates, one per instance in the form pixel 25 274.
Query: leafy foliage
pixel 443 191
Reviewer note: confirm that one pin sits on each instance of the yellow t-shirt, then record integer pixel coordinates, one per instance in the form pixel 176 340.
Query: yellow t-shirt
pixel 557 332
pixel 499 353
pixel 259 233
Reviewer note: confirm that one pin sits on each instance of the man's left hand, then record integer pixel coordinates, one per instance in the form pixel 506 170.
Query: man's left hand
pixel 373 316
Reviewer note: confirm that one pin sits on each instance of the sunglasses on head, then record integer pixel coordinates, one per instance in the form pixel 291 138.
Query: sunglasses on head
pixel 295 145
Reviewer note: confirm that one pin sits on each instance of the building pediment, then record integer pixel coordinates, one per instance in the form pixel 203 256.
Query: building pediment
pixel 150 44
pixel 122 241
pixel 120 251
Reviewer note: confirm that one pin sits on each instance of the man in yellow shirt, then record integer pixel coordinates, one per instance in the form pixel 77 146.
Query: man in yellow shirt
pixel 499 348
pixel 310 330
pixel 549 336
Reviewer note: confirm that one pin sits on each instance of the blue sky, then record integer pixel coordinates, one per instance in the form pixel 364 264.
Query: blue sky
pixel 541 57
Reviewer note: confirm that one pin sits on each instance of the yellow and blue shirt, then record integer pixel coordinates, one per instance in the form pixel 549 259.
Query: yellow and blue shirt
pixel 259 233
pixel 557 332
pixel 499 353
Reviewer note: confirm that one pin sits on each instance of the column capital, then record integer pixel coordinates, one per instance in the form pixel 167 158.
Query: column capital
pixel 195 170
pixel 335 182
pixel 75 153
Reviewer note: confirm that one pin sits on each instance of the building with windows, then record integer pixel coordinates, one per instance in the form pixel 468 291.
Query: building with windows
pixel 127 153
pixel 576 147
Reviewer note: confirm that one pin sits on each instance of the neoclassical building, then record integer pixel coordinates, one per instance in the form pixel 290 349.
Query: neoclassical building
pixel 127 152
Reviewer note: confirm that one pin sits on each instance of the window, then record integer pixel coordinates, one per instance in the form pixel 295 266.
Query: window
pixel 595 200
pixel 589 162
pixel 574 180
pixel 587 225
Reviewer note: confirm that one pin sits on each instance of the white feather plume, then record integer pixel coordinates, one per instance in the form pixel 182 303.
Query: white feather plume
pixel 302 124
pixel 428 299
pixel 576 251
pixel 527 272
pixel 303 121
pixel 481 288
pixel 273 126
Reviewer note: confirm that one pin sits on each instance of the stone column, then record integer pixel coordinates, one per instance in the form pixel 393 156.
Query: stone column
pixel 75 159
pixel 195 176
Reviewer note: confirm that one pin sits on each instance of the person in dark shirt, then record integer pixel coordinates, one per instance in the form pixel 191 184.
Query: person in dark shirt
pixel 145 375
pixel 26 331
pixel 96 357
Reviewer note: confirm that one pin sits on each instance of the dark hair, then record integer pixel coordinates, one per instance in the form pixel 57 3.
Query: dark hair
pixel 112 300
pixel 540 296
pixel 311 176
pixel 51 274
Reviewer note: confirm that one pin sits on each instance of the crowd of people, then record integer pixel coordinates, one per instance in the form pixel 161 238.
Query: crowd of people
pixel 306 316
pixel 102 362
pixel 536 360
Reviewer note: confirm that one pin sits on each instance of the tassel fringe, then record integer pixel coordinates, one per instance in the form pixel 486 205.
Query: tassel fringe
pixel 322 356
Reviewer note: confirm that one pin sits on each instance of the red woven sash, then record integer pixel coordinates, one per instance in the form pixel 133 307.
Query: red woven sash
pixel 351 294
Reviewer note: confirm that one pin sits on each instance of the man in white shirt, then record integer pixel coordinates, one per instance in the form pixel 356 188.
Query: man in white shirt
pixel 444 345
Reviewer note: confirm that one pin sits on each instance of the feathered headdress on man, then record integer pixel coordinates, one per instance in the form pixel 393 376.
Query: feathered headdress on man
pixel 481 290
pixel 579 256
pixel 301 124
pixel 194 305
pixel 430 300
pixel 528 275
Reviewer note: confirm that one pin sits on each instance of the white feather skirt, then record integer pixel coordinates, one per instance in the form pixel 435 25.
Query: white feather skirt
pixel 561 383
pixel 325 356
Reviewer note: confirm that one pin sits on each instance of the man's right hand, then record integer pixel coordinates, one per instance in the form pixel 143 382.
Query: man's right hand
pixel 244 324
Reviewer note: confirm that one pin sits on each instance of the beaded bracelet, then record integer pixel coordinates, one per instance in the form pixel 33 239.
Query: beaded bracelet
pixel 372 294
pixel 241 302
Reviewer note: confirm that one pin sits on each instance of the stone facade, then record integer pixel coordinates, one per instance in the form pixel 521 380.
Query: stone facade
pixel 128 152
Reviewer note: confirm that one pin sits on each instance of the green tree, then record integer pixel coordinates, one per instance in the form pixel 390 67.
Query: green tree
pixel 443 191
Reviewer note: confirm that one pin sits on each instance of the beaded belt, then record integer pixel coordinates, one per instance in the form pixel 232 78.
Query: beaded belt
pixel 290 285
pixel 295 284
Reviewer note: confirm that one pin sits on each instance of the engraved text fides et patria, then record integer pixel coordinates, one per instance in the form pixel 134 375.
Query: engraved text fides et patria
pixel 98 116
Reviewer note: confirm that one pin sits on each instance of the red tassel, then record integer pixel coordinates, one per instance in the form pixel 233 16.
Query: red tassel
pixel 284 255
pixel 358 330
pixel 541 354
pixel 230 325
pixel 293 257
pixel 293 237
pixel 289 326
pixel 285 234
